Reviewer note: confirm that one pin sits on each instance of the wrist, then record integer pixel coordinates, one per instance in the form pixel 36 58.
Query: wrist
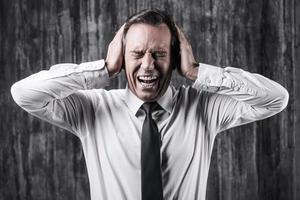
pixel 192 72
pixel 111 72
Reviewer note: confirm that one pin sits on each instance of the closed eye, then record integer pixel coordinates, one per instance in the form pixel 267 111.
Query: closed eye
pixel 159 54
pixel 137 54
pixel 156 54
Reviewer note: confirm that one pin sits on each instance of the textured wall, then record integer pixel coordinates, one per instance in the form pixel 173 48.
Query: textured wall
pixel 257 161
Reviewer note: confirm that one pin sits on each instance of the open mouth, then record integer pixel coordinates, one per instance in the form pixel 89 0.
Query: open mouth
pixel 148 81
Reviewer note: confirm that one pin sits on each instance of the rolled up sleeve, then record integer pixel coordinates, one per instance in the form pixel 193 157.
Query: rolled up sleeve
pixel 54 95
pixel 239 97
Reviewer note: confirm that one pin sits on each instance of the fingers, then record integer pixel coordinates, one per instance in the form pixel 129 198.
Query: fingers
pixel 114 58
pixel 186 52
pixel 181 36
pixel 119 33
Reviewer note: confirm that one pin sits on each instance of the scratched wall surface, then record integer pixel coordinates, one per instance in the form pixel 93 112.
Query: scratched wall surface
pixel 257 161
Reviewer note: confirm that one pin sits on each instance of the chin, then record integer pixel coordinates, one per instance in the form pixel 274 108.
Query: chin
pixel 147 92
pixel 146 96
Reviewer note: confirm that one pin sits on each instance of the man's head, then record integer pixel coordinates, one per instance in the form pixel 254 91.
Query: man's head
pixel 151 51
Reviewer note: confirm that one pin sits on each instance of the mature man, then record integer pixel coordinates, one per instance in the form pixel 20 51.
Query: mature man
pixel 150 140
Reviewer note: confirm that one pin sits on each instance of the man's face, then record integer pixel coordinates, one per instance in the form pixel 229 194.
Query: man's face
pixel 147 60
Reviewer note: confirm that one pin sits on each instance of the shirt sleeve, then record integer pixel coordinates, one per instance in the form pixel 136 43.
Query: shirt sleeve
pixel 237 97
pixel 56 96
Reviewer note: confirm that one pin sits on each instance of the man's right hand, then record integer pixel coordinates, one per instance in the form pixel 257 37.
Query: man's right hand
pixel 189 66
pixel 114 58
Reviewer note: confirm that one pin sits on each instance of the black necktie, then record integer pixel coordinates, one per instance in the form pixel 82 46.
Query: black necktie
pixel 150 157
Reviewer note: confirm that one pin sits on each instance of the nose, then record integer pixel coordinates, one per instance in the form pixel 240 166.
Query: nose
pixel 148 61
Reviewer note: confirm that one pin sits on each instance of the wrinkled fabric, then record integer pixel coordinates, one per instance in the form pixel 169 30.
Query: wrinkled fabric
pixel 109 123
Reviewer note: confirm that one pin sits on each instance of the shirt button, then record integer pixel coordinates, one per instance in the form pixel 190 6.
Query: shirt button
pixel 250 91
pixel 204 87
pixel 208 81
pixel 236 88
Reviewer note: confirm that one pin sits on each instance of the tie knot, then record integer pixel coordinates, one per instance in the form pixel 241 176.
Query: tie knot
pixel 148 107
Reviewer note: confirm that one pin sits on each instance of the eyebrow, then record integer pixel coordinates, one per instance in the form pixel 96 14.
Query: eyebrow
pixel 137 51
pixel 160 50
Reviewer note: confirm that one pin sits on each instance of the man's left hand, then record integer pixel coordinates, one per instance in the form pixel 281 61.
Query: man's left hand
pixel 189 66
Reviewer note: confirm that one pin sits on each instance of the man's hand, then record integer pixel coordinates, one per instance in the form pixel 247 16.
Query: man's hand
pixel 114 58
pixel 189 66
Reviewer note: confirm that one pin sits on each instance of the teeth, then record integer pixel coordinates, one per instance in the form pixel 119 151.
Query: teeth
pixel 147 78
pixel 147 85
pixel 148 81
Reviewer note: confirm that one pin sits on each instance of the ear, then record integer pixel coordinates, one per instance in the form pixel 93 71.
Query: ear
pixel 123 62
pixel 175 65
pixel 123 51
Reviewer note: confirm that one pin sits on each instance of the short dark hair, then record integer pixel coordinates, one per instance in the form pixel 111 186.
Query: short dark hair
pixel 156 17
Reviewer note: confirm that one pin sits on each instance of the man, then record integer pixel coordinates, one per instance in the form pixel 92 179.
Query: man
pixel 150 140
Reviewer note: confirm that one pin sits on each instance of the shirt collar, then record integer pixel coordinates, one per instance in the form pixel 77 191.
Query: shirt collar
pixel 134 103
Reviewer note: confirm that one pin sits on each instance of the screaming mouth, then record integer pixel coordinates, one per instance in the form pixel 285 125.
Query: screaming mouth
pixel 148 81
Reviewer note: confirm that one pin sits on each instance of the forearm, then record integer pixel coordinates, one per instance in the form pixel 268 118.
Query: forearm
pixel 61 80
pixel 192 74
pixel 56 95
pixel 263 96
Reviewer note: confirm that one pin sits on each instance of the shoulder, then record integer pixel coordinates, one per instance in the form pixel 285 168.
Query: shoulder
pixel 98 97
pixel 186 92
pixel 189 96
pixel 103 93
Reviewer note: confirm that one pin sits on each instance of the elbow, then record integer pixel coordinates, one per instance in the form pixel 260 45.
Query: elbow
pixel 15 91
pixel 282 100
pixel 285 99
pixel 28 97
pixel 19 94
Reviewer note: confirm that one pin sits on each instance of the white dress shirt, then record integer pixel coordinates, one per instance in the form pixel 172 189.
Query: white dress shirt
pixel 109 123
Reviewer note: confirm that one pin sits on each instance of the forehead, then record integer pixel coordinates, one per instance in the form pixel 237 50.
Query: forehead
pixel 144 36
